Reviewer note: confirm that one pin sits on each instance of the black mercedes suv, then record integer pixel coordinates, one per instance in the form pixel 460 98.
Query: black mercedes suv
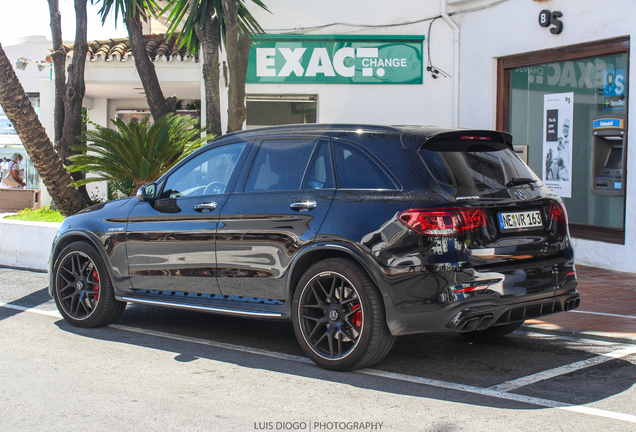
pixel 355 233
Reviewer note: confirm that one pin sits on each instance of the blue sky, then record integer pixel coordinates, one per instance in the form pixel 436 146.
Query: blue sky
pixel 20 18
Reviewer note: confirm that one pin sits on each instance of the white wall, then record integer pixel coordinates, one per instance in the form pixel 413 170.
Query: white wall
pixel 34 48
pixel 512 28
pixel 124 72
pixel 26 244
pixel 429 103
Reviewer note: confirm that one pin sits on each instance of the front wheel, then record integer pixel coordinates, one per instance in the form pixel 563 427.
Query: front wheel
pixel 339 316
pixel 83 291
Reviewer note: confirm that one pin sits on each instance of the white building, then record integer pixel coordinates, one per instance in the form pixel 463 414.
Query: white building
pixel 494 64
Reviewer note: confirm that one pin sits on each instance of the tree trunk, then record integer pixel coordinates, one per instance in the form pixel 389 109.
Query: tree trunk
pixel 238 62
pixel 59 67
pixel 157 103
pixel 73 95
pixel 210 38
pixel 20 112
pixel 237 46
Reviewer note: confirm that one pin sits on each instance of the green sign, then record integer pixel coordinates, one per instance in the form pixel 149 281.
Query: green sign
pixel 302 59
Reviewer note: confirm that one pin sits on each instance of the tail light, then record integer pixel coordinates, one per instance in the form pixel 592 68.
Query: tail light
pixel 558 213
pixel 443 222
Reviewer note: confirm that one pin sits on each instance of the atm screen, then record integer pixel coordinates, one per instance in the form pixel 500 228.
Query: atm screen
pixel 615 158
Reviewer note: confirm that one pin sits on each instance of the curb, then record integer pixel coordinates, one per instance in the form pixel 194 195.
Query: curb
pixel 26 244
pixel 30 269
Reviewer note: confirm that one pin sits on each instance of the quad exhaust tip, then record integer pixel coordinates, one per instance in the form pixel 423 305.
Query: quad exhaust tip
pixel 572 303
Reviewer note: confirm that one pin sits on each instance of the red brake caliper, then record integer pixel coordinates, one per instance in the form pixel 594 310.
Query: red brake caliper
pixel 96 279
pixel 356 319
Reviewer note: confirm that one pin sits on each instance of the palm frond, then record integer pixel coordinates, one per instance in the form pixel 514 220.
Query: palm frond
pixel 128 9
pixel 136 152
pixel 182 13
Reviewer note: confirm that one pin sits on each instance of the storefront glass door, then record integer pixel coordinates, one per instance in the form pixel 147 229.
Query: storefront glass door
pixel 571 115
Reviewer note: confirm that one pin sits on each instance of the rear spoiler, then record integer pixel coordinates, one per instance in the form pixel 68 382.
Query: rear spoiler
pixel 469 136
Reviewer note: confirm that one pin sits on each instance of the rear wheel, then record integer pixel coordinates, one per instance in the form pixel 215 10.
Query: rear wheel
pixel 492 332
pixel 83 291
pixel 339 317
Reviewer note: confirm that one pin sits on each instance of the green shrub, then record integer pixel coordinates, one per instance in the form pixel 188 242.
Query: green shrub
pixel 44 214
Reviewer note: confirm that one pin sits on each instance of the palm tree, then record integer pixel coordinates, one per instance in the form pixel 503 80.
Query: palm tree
pixel 209 23
pixel 19 110
pixel 137 152
pixel 68 93
pixel 133 12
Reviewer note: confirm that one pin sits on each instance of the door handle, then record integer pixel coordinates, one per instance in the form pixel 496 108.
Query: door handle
pixel 205 207
pixel 303 206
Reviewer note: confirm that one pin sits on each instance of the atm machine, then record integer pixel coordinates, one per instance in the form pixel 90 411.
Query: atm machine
pixel 607 155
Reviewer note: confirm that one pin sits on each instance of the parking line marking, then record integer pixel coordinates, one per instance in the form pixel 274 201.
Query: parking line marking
pixel 562 370
pixel 373 372
pixel 502 395
pixel 55 314
pixel 408 378
pixel 604 314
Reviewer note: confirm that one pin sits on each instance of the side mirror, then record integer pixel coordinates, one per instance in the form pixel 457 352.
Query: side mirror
pixel 147 192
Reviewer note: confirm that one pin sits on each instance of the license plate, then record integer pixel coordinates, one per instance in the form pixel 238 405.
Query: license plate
pixel 520 220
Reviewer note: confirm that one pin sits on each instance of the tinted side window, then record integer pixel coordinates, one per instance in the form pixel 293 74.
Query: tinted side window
pixel 356 169
pixel 206 174
pixel 321 173
pixel 279 165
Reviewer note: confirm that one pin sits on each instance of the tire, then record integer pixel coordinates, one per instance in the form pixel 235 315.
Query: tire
pixel 338 316
pixel 83 291
pixel 492 332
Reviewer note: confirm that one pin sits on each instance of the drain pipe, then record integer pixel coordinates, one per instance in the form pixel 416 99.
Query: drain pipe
pixel 455 28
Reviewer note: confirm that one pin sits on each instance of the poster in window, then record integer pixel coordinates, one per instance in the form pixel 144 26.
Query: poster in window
pixel 558 110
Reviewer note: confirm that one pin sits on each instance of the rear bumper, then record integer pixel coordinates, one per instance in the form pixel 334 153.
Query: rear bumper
pixel 479 314
pixel 468 319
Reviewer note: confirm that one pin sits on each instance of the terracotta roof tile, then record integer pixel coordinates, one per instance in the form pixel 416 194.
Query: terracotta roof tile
pixel 157 47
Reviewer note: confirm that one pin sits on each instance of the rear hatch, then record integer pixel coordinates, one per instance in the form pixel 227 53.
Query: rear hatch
pixel 524 222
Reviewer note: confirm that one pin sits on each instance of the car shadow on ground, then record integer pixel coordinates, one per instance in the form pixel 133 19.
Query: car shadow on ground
pixel 442 357
pixel 32 300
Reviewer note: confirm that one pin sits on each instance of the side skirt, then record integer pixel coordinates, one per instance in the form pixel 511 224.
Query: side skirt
pixel 239 308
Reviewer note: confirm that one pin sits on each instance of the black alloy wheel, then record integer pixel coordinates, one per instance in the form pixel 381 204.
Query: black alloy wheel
pixel 331 315
pixel 83 291
pixel 338 316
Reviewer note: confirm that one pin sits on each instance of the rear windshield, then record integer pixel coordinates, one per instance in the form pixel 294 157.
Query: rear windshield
pixel 469 166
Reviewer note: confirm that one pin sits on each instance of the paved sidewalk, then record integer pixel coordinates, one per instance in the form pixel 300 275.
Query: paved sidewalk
pixel 608 307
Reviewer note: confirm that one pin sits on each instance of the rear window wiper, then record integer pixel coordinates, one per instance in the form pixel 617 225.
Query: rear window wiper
pixel 516 181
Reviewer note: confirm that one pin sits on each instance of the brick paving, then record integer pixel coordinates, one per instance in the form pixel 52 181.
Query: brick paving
pixel 602 291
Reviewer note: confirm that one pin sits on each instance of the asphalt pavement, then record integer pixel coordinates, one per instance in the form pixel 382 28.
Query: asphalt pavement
pixel 167 369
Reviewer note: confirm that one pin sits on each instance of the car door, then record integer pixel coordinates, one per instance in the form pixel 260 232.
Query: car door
pixel 171 240
pixel 286 195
